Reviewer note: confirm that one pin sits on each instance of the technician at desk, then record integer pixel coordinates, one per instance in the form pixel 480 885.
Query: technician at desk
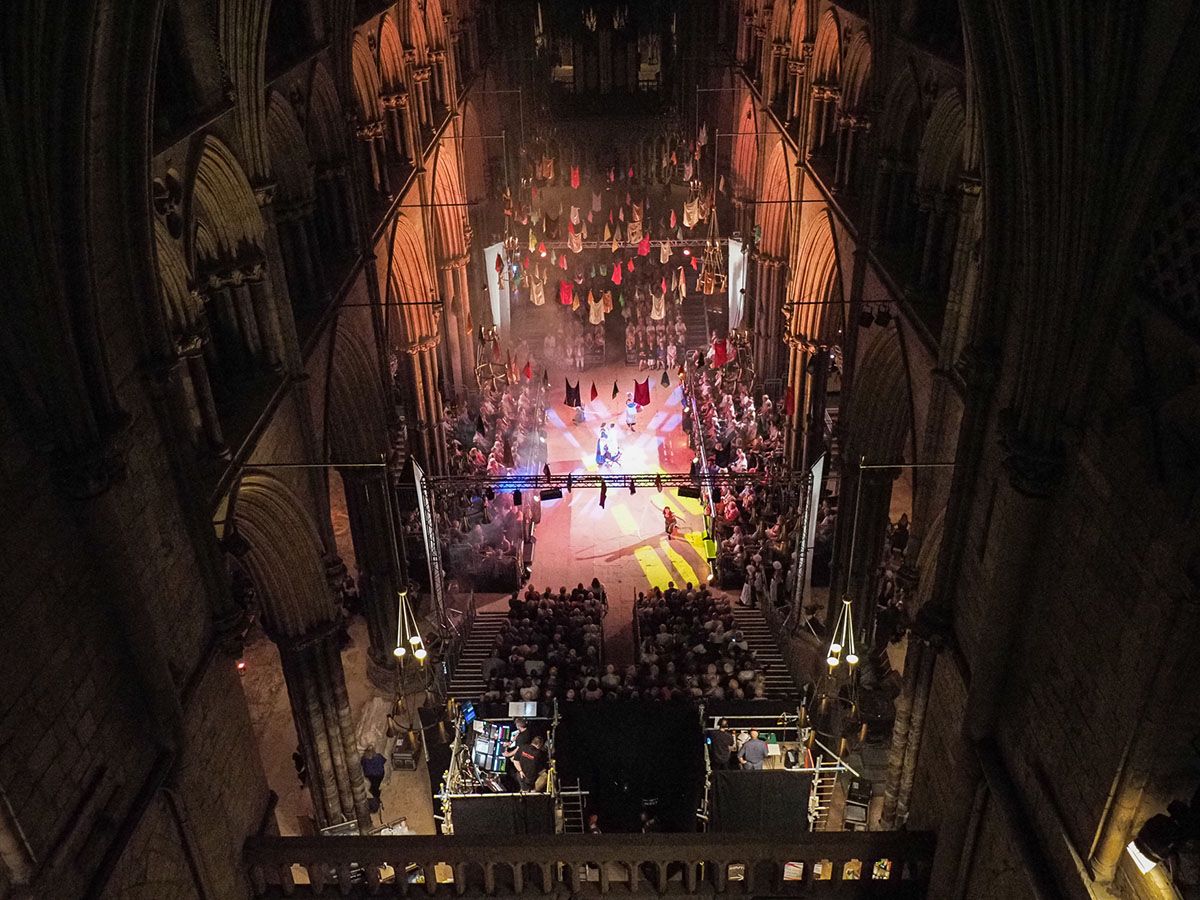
pixel 533 765
pixel 753 752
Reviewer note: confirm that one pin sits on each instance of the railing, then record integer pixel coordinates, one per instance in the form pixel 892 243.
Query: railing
pixel 829 864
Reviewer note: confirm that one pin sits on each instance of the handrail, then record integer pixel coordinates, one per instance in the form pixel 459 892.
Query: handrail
pixel 889 864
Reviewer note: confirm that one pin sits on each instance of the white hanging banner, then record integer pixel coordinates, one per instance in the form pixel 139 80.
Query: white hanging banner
pixel 737 281
pixel 498 288
pixel 433 543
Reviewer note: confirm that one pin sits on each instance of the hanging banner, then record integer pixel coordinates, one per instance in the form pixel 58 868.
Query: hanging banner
pixel 498 290
pixel 736 282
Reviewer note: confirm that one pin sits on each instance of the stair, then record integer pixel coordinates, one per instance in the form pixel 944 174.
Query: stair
pixel 821 798
pixel 466 682
pixel 692 311
pixel 780 685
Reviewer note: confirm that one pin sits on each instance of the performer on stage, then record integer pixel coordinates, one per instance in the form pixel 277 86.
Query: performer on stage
pixel 607 449
pixel 631 411
pixel 602 447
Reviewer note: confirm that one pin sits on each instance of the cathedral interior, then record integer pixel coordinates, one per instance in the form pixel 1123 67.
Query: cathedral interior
pixel 310 313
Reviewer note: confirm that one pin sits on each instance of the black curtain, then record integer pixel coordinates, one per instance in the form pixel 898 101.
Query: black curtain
pixel 772 800
pixel 632 756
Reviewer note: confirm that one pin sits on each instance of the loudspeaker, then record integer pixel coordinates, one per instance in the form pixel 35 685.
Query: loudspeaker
pixel 692 493
pixel 552 494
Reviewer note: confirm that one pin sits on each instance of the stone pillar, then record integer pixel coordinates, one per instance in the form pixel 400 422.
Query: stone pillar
pixel 191 350
pixel 795 69
pixel 367 496
pixel 371 137
pixel 316 686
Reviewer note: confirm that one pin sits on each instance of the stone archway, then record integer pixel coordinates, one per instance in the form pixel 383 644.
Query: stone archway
pixel 356 420
pixel 452 235
pixel 879 429
pixel 774 214
pixel 276 543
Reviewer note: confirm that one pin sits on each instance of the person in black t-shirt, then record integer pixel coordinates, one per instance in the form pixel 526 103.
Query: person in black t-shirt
pixel 721 745
pixel 533 764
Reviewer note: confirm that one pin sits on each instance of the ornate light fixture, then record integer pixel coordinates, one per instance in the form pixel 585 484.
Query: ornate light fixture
pixel 408 635
pixel 841 645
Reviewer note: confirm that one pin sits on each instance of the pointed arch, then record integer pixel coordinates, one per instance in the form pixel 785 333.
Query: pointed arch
pixel 827 51
pixel 450 237
pixel 745 148
pixel 284 557
pixel 474 153
pixel 435 25
pixel 242 26
pixel 818 285
pixel 940 162
pixel 182 307
pixel 774 216
pixel 798 27
pixel 780 19
pixel 391 54
pixel 290 162
pixel 900 123
pixel 410 283
pixel 412 29
pixel 324 127
pixel 221 209
pixel 881 420
pixel 356 414
pixel 856 73
pixel 366 82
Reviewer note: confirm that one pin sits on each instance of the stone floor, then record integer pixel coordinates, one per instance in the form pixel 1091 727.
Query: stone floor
pixel 405 794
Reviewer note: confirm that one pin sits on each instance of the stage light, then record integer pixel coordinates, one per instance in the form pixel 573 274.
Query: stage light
pixel 833 661
pixel 420 653
pixel 516 498
pixel 489 494
pixel 414 640
pixel 852 658
pixel 883 317
pixel 687 251
pixel 865 319
pixel 241 665
pixel 835 647
pixel 399 652
pixel 1158 838
pixel 552 494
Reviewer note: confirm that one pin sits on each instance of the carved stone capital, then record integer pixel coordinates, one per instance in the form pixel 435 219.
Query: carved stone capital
pixel 1035 468
pixel 797 66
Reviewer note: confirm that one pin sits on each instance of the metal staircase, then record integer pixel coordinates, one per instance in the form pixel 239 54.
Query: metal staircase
pixel 821 797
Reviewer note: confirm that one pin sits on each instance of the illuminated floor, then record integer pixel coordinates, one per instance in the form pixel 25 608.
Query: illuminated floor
pixel 622 544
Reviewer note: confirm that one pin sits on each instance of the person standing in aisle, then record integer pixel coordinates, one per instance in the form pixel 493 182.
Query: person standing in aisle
pixel 753 752
pixel 631 411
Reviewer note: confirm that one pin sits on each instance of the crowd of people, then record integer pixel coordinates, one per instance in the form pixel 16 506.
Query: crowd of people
pixel 482 531
pixel 551 645
pixel 654 344
pixel 690 648
pixel 739 435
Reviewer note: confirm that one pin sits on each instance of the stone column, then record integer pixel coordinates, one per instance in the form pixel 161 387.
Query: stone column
pixel 367 496
pixel 316 686
pixel 795 69
pixel 191 350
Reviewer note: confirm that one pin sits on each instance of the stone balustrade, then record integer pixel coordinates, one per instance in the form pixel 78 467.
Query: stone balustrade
pixel 818 864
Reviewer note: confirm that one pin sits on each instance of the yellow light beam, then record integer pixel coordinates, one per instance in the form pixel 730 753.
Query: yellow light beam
pixel 686 572
pixel 656 573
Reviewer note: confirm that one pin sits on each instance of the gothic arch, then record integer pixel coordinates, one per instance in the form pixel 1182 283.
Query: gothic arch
pixel 900 130
pixel 183 311
pixel 474 153
pixel 356 413
pixel 411 322
pixel 827 51
pixel 324 125
pixel 242 27
pixel 290 161
pixel 366 82
pixel 818 285
pixel 450 238
pixel 434 25
pixel 284 557
pixel 940 163
pixel 780 15
pixel 801 19
pixel 856 73
pixel 391 54
pixel 900 125
pixel 881 420
pixel 745 148
pixel 775 216
pixel 221 210
pixel 412 29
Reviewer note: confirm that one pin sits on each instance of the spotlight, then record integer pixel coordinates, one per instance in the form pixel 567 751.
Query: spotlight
pixel 865 319
pixel 1156 841
pixel 516 498
pixel 489 494
pixel 552 494
pixel 687 251
pixel 692 493
pixel 632 487
pixel 400 651
pixel 420 653
pixel 883 317
pixel 241 666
